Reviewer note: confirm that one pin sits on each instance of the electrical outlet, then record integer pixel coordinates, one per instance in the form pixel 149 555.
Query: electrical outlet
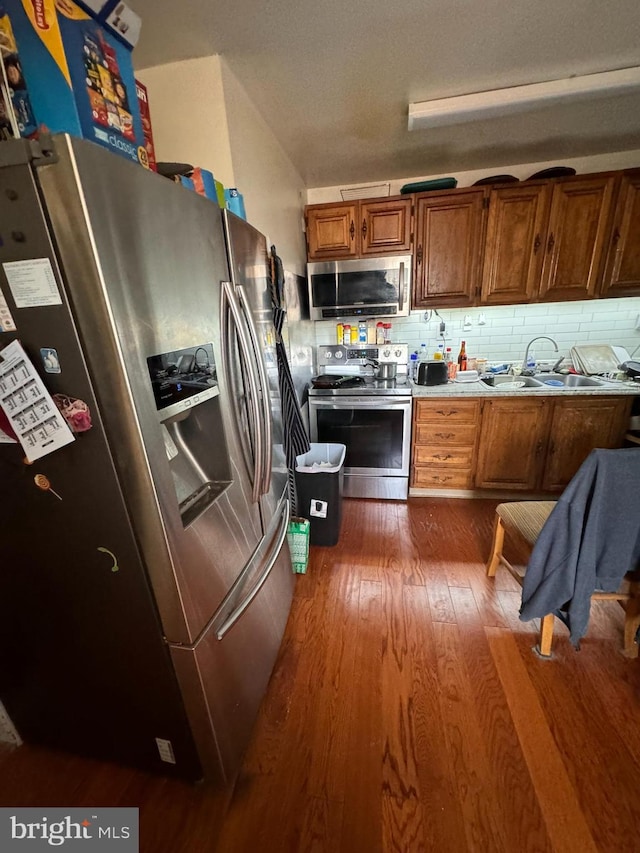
pixel 637 326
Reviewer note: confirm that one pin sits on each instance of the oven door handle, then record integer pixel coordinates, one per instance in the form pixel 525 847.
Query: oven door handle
pixel 369 403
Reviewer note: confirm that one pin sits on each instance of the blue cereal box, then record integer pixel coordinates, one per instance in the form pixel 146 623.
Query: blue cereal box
pixel 68 74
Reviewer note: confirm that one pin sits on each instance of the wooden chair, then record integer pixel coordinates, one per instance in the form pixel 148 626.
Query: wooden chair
pixel 524 520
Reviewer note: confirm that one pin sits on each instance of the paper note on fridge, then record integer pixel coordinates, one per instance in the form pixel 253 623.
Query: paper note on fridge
pixel 32 283
pixel 28 405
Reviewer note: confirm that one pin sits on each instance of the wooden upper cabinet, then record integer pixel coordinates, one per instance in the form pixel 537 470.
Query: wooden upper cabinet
pixel 448 247
pixel 622 271
pixel 513 444
pixel 515 243
pixel 331 231
pixel 576 234
pixel 578 425
pixel 353 230
pixel 385 226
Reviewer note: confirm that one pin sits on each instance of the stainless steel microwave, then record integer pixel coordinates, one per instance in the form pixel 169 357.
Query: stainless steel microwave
pixel 369 287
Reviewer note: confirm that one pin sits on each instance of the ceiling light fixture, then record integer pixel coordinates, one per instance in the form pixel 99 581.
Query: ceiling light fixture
pixel 498 102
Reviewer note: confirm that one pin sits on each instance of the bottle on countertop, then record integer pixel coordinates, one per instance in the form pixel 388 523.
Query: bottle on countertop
pixel 387 333
pixel 354 333
pixel 380 332
pixel 346 334
pixel 423 354
pixel 462 357
pixel 438 355
pixel 339 333
pixel 371 331
pixel 413 365
pixel 452 367
pixel 362 332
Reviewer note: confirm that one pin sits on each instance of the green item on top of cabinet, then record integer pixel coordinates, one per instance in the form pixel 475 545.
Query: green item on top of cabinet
pixel 427 186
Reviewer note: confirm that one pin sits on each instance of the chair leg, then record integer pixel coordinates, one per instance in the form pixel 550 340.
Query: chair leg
pixel 496 548
pixel 631 626
pixel 546 635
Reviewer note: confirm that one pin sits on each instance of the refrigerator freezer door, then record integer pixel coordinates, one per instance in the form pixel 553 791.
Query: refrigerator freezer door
pixel 143 262
pixel 242 651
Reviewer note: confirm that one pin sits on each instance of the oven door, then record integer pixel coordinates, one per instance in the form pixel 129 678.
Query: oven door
pixel 376 431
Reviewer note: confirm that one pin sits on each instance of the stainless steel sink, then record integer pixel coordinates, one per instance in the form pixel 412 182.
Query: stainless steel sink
pixel 570 380
pixel 516 383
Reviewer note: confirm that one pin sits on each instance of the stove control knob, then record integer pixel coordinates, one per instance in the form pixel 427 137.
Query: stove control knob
pixel 339 354
pixel 328 354
pixel 398 353
pixel 386 353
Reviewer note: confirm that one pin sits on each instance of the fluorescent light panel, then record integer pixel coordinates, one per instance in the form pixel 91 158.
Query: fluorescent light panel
pixel 498 102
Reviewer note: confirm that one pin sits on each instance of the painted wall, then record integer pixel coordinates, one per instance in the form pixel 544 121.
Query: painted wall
pixel 189 115
pixel 582 165
pixel 274 192
pixel 203 116
pixel 508 328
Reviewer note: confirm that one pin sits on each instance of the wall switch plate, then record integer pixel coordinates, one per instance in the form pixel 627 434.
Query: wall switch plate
pixel 482 319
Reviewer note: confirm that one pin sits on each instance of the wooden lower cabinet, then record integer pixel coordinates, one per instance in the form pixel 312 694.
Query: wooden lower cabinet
pixel 533 444
pixel 513 443
pixel 578 425
pixel 519 444
pixel 444 442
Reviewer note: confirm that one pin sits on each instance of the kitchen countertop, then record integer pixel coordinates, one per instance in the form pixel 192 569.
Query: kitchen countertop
pixel 481 389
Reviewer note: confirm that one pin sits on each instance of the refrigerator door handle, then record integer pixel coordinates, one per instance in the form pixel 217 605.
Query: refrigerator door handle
pixel 233 617
pixel 249 358
pixel 264 381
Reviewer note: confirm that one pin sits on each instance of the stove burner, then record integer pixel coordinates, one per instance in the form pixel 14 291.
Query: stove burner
pixel 329 380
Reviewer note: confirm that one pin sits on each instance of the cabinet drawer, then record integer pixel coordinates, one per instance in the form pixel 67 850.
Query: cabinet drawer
pixel 445 412
pixel 445 433
pixel 449 457
pixel 431 477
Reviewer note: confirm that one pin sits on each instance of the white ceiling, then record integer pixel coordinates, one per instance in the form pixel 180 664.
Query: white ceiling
pixel 334 78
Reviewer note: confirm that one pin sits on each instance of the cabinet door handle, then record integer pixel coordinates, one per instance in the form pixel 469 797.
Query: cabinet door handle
pixel 551 242
pixel 364 229
pixel 616 236
pixel 352 230
pixel 536 244
pixel 446 414
pixel 419 255
pixel 444 457
pixel 444 434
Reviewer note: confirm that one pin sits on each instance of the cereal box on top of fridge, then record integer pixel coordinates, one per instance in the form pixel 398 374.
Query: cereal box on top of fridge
pixel 145 115
pixel 77 76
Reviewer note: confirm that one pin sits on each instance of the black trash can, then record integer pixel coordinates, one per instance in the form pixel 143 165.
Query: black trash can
pixel 319 481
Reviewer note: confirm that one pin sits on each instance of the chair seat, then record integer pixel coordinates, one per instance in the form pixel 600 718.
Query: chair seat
pixel 527 517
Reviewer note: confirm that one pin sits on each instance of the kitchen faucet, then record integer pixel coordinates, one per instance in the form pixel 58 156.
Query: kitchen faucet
pixel 540 338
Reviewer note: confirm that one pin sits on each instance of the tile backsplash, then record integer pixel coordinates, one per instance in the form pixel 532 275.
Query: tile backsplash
pixel 508 328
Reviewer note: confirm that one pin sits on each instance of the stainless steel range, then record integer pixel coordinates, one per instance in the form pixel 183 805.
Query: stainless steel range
pixel 370 416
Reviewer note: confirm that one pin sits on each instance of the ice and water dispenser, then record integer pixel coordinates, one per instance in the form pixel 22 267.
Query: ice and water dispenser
pixel 185 387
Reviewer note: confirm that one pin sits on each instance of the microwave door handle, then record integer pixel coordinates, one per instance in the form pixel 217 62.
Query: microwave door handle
pixel 401 287
pixel 267 437
pixel 246 354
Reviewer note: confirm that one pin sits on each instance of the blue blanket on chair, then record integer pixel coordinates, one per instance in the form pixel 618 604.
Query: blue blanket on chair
pixel 590 540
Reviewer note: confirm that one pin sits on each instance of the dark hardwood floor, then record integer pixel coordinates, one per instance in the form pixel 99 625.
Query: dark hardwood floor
pixel 406 713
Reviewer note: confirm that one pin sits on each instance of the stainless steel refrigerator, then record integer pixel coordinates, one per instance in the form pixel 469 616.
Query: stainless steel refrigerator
pixel 143 596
